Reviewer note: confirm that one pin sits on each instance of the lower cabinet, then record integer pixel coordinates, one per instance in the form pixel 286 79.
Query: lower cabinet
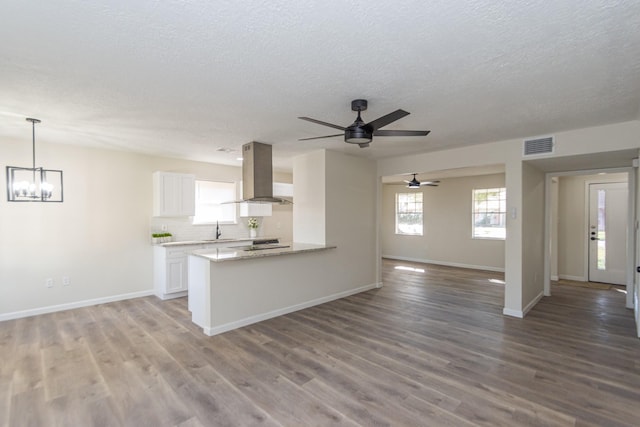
pixel 170 270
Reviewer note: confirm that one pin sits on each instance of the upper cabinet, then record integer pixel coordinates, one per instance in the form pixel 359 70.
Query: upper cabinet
pixel 173 194
pixel 283 189
pixel 255 209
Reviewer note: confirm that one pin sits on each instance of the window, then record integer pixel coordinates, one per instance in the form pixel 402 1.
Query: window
pixel 209 196
pixel 409 213
pixel 489 213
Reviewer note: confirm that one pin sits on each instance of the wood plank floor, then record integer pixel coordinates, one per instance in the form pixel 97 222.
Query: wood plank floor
pixel 430 348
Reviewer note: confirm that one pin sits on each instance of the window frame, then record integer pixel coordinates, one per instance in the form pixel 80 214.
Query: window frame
pixel 415 203
pixel 501 211
pixel 230 217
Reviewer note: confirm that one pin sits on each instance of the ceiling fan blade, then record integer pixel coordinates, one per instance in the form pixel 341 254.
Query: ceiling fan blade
pixel 320 137
pixel 401 132
pixel 385 120
pixel 408 182
pixel 309 119
pixel 363 145
pixel 430 184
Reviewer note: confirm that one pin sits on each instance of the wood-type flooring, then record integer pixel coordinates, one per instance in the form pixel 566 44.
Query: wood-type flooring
pixel 429 348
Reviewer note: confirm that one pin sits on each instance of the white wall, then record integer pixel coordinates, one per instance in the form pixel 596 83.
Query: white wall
pixel 99 236
pixel 447 226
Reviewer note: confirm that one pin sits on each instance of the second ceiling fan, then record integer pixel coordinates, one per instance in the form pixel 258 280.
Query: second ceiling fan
pixel 414 183
pixel 362 133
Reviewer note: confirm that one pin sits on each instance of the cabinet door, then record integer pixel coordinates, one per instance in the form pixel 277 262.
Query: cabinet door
pixel 167 188
pixel 174 194
pixel 187 195
pixel 176 274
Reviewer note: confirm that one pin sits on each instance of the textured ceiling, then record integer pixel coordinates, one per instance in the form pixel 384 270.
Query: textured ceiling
pixel 184 78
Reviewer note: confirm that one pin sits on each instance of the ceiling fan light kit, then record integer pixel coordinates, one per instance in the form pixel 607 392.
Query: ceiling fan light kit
pixel 414 183
pixel 357 136
pixel 362 133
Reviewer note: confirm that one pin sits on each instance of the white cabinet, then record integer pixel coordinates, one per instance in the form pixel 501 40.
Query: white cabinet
pixel 173 194
pixel 255 209
pixel 283 189
pixel 170 270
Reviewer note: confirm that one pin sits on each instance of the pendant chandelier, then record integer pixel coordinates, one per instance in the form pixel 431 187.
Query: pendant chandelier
pixel 34 184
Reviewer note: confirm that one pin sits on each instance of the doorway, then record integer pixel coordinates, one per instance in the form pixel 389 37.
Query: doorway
pixel 568 238
pixel 607 261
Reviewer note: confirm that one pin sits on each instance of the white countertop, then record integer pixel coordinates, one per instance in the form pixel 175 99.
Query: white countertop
pixel 237 253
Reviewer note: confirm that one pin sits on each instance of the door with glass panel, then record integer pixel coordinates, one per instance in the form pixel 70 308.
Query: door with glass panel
pixel 608 233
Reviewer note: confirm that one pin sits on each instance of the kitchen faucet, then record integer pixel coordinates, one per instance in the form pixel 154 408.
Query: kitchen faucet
pixel 218 232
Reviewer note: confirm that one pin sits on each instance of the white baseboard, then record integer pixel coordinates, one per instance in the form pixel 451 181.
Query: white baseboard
pixel 71 305
pixel 513 313
pixel 445 263
pixel 171 296
pixel 574 278
pixel 533 303
pixel 555 278
pixel 286 310
pixel 521 313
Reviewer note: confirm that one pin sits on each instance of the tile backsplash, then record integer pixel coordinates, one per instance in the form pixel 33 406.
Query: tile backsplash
pixel 182 229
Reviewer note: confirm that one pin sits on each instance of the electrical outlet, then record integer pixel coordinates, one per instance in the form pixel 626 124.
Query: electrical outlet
pixel 48 283
pixel 66 281
pixel 163 227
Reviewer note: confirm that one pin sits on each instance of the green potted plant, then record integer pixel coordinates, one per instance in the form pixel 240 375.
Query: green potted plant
pixel 157 238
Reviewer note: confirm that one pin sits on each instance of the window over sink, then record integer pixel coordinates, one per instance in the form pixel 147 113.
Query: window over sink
pixel 209 198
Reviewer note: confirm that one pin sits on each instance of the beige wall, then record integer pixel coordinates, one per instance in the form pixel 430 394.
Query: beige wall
pixel 447 226
pixel 532 235
pixel 572 226
pixel 351 217
pixel 620 136
pixel 100 235
pixel 309 195
pixel 345 215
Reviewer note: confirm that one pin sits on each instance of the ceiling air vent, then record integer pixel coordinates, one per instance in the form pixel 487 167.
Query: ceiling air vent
pixel 543 145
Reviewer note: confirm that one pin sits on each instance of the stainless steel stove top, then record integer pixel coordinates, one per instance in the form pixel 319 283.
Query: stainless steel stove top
pixel 261 247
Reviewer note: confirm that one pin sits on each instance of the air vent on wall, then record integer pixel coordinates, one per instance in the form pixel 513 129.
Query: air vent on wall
pixel 538 146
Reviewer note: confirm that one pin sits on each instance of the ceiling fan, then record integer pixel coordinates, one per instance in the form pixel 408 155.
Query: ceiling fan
pixel 362 133
pixel 414 183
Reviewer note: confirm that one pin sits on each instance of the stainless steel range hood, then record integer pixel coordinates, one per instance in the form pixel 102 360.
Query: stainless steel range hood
pixel 257 174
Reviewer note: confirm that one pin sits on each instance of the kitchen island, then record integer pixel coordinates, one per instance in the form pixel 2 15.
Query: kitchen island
pixel 234 287
pixel 257 251
pixel 170 271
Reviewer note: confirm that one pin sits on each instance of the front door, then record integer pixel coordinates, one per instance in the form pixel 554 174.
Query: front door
pixel 608 233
